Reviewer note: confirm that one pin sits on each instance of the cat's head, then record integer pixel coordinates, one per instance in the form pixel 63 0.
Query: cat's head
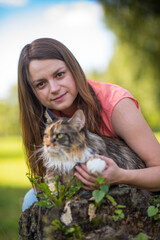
pixel 62 134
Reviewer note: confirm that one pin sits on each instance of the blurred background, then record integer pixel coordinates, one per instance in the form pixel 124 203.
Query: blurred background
pixel 116 41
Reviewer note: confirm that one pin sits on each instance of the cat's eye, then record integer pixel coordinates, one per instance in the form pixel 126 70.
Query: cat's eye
pixel 60 135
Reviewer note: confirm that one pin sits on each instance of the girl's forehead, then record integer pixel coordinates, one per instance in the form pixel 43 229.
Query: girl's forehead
pixel 38 67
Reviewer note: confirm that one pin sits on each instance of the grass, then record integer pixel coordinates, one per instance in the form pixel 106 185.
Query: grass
pixel 13 186
pixel 11 199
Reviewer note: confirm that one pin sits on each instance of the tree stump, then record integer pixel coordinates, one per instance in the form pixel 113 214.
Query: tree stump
pixel 36 222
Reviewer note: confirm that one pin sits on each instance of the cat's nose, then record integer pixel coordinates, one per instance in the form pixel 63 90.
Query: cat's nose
pixel 47 145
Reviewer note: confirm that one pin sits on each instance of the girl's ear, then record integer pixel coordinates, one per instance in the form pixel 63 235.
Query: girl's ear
pixel 78 120
pixel 50 116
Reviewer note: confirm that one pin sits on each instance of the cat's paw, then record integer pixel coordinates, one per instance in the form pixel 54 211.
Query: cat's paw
pixel 96 165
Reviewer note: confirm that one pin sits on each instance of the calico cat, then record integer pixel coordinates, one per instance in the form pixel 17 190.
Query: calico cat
pixel 67 142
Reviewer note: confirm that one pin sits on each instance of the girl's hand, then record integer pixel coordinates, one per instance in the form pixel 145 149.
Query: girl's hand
pixel 112 174
pixel 85 177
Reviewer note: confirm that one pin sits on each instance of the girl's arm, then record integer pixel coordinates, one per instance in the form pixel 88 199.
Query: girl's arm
pixel 129 124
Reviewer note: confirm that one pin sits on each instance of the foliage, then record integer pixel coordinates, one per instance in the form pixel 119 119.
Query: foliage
pixel 101 193
pixel 141 236
pixel 74 232
pixel 154 209
pixel 58 198
pixel 60 195
pixel 136 59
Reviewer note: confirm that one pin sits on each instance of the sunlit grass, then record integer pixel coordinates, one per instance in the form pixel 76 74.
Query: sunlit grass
pixel 11 148
pixel 13 185
pixel 13 173
pixel 12 163
pixel 11 199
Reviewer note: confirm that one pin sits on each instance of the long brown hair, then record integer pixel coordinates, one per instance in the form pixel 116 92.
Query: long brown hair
pixel 32 111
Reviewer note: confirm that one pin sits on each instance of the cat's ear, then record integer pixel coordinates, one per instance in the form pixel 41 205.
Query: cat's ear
pixel 78 120
pixel 50 116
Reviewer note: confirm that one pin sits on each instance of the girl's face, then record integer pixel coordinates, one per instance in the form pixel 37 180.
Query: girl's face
pixel 53 85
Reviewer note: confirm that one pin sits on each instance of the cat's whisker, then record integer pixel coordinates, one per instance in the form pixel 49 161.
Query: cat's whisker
pixel 35 153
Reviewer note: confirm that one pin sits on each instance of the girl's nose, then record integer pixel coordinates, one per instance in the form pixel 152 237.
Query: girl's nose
pixel 54 86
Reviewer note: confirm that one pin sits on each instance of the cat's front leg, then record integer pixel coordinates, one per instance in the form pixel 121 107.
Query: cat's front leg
pixel 96 165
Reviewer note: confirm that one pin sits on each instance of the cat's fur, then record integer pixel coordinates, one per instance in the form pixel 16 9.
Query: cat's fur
pixel 67 142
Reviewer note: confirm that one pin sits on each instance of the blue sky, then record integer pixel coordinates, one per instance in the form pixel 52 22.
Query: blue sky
pixel 77 24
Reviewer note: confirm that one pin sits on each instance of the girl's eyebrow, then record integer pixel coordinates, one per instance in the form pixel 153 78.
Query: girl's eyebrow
pixel 54 73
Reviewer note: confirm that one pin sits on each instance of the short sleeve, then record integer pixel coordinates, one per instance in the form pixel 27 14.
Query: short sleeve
pixel 109 96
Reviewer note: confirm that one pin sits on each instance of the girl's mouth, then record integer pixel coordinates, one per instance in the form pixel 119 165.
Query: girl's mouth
pixel 59 98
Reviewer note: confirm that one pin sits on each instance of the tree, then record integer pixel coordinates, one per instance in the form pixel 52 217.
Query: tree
pixel 136 60
pixel 9 114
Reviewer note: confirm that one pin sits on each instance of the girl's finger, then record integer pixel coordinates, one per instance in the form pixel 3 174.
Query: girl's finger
pixel 83 180
pixel 88 188
pixel 86 175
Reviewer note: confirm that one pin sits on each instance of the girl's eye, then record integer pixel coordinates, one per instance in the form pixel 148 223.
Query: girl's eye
pixel 60 74
pixel 60 135
pixel 40 85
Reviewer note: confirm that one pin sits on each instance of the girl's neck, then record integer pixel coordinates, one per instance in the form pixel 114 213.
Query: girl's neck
pixel 68 112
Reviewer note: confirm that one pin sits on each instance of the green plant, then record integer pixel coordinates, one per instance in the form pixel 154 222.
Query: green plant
pixel 59 196
pixel 141 236
pixel 101 193
pixel 154 210
pixel 73 232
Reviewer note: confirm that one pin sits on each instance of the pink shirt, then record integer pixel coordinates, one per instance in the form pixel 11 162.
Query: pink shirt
pixel 109 95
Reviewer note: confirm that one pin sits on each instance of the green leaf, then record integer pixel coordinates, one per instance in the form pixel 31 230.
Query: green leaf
pixel 115 217
pixel 57 224
pixel 141 236
pixel 45 204
pixel 104 188
pixel 121 206
pixel 100 180
pixel 121 215
pixel 98 195
pixel 111 199
pixel 118 211
pixel 44 187
pixel 152 211
pixel 70 230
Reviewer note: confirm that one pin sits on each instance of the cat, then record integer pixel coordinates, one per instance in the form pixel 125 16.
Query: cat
pixel 67 142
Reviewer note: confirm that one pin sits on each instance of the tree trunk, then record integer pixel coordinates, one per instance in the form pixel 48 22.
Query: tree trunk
pixel 36 222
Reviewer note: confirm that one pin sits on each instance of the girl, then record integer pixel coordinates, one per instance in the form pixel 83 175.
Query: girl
pixel 50 76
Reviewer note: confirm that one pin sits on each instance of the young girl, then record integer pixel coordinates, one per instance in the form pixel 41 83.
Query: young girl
pixel 50 76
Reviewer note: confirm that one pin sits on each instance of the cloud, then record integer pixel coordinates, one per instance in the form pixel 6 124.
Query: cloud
pixel 13 2
pixel 81 28
pixel 78 25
